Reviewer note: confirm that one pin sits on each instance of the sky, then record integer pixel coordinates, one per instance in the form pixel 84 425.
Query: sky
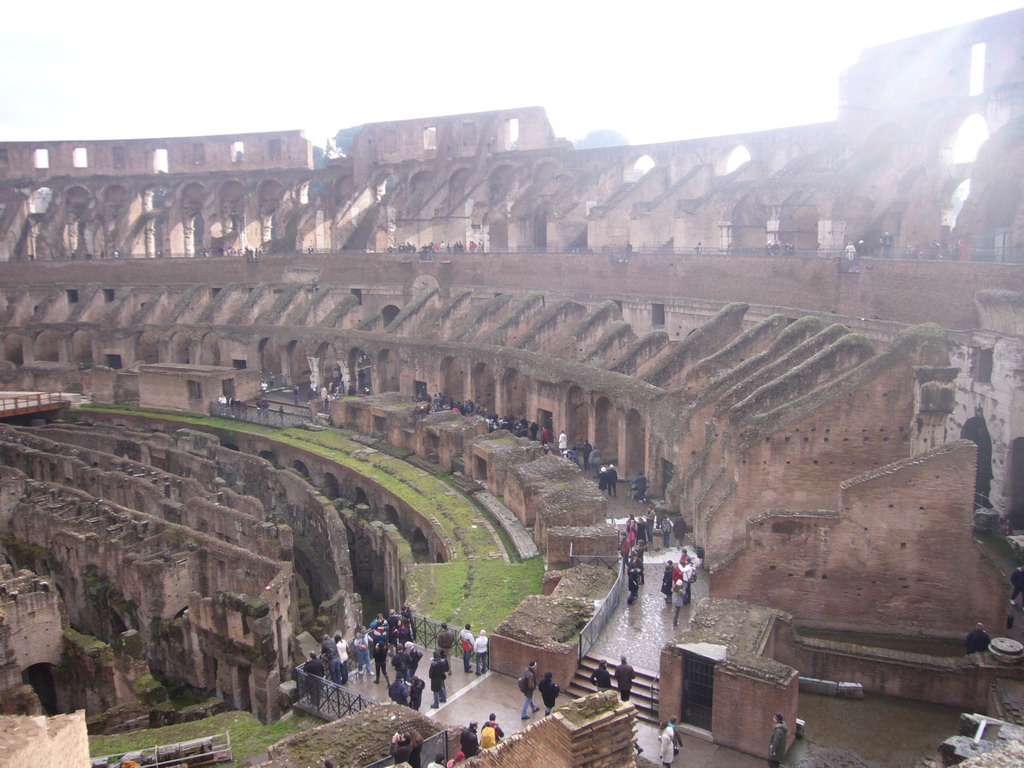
pixel 654 71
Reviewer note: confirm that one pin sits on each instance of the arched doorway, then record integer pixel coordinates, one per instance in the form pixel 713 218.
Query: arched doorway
pixel 40 677
pixel 270 357
pixel 976 431
pixel 577 415
pixel 635 459
pixel 13 350
pixel 360 371
pixel 331 487
pixel 483 386
pixel 209 350
pixel 389 313
pixel 388 371
pixel 301 468
pixel 606 429
pixel 513 390
pixel 81 347
pixel 269 456
pixel 47 347
pixel 146 349
pixel 180 352
pixel 452 378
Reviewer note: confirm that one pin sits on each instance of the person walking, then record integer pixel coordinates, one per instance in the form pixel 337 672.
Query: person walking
pixel 977 640
pixel 624 676
pixel 549 691
pixel 437 673
pixel 467 640
pixel 445 640
pixel 528 684
pixel 362 647
pixel 678 597
pixel 666 582
pixel 613 480
pixel 380 658
pixel 1017 580
pixel 600 677
pixel 666 744
pixel 469 741
pixel 777 743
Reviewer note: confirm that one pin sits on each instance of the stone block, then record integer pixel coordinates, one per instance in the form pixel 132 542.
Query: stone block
pixel 850 690
pixel 822 687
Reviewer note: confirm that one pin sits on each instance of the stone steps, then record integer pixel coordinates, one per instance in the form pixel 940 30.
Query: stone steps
pixel 643 695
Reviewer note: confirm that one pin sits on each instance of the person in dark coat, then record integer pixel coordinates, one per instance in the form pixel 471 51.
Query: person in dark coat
pixel 633 578
pixel 600 677
pixel 438 673
pixel 977 640
pixel 777 744
pixel 679 529
pixel 613 480
pixel 399 691
pixel 380 660
pixel 1017 580
pixel 624 676
pixel 469 742
pixel 666 582
pixel 549 691
pixel 416 692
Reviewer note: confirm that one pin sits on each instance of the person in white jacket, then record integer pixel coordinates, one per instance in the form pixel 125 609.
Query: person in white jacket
pixel 666 744
pixel 480 647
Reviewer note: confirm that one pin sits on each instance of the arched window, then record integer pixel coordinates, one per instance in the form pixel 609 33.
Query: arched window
pixel 738 157
pixel 972 134
pixel 642 166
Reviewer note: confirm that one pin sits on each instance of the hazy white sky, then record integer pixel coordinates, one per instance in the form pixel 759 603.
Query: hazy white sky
pixel 655 71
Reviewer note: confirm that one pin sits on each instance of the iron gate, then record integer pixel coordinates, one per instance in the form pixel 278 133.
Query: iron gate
pixel 698 690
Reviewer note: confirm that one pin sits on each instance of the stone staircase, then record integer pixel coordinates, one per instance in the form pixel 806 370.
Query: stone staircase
pixel 643 695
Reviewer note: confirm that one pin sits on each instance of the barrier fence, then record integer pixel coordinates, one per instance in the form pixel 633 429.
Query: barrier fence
pixel 326 698
pixel 434 745
pixel 11 404
pixel 592 631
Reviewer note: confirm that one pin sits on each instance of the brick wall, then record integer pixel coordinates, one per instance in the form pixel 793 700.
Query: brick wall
pixel 906 541
pixel 510 657
pixel 596 731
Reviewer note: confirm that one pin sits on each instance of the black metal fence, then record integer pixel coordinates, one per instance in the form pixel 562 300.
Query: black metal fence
pixel 326 698
pixel 592 631
pixel 433 745
pixel 426 630
pixel 269 417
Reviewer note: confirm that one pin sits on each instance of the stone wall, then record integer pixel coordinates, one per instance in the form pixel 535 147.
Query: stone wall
pixel 595 731
pixel 31 619
pixel 901 526
pixel 27 742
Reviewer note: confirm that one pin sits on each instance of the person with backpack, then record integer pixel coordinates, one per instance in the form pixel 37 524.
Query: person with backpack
pixel 665 526
pixel 528 684
pixel 467 640
pixel 549 691
pixel 380 657
pixel 416 687
pixel 491 733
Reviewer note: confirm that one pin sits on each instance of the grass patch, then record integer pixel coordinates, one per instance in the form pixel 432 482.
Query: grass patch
pixel 248 735
pixel 478 592
pixel 474 587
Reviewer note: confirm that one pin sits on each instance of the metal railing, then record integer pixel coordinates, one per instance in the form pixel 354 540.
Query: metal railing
pixel 611 562
pixel 30 401
pixel 269 417
pixel 326 698
pixel 433 745
pixel 426 630
pixel 209 749
pixel 592 631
